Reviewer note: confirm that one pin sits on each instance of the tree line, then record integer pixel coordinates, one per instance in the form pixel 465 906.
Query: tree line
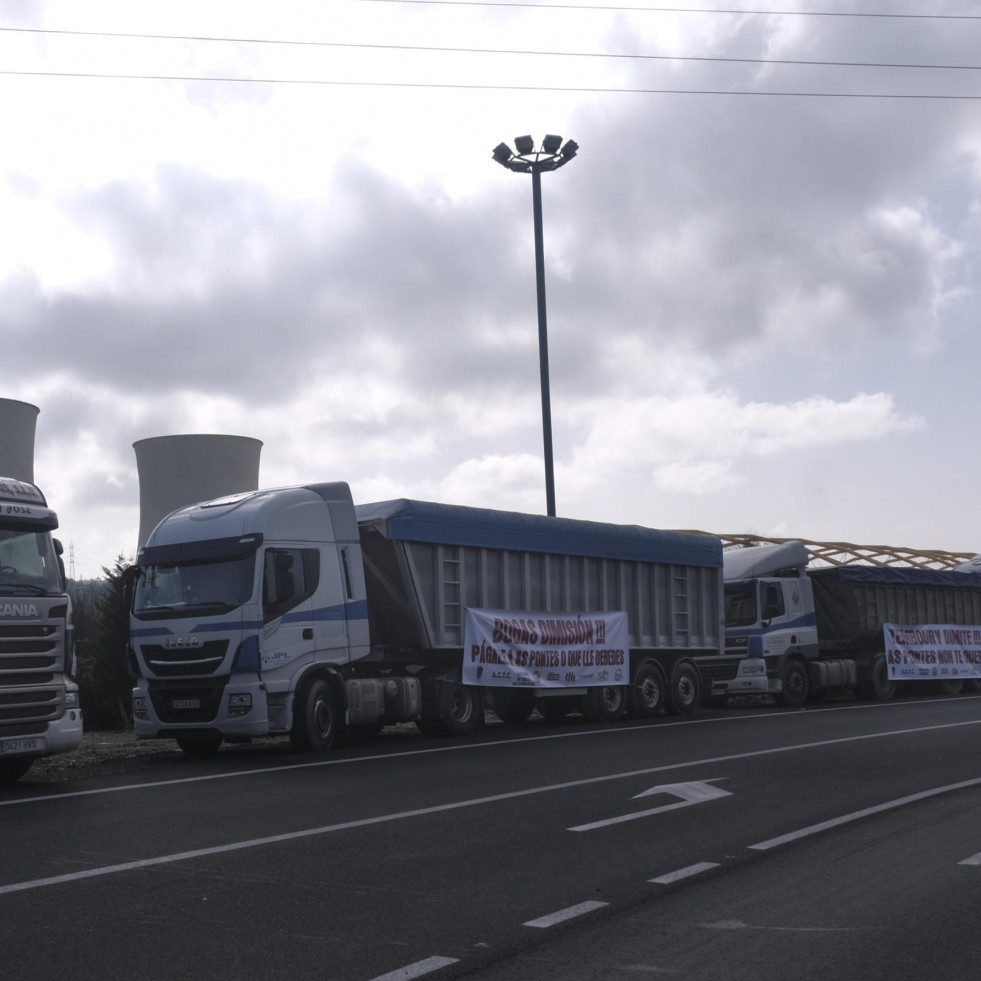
pixel 101 617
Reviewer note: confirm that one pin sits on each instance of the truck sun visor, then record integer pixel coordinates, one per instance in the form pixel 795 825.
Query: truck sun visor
pixel 212 550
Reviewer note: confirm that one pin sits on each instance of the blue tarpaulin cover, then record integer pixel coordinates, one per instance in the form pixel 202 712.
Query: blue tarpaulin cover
pixel 450 524
pixel 895 574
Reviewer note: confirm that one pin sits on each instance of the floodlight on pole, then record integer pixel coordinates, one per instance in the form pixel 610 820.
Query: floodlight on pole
pixel 527 160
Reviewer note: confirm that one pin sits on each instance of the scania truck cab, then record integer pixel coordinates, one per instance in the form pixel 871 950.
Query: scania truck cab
pixel 39 703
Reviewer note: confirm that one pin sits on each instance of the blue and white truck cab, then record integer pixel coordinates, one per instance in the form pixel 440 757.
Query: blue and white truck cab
pixel 770 622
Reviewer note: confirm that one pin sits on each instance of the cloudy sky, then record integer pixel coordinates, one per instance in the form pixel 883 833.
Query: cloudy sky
pixel 283 221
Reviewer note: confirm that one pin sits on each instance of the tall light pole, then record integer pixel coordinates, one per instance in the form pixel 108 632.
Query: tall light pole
pixel 552 155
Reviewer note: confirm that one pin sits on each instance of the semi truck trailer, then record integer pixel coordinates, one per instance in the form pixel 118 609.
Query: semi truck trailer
pixel 793 631
pixel 292 611
pixel 39 705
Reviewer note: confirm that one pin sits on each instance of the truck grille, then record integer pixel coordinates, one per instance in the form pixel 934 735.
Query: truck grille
pixel 718 670
pixel 31 656
pixel 194 704
pixel 183 662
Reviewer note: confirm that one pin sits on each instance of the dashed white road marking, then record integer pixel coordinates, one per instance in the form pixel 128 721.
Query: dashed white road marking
pixel 684 873
pixel 566 914
pixel 417 970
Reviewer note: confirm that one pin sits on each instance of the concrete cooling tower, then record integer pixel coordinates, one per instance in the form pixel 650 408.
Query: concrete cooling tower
pixel 18 421
pixel 175 471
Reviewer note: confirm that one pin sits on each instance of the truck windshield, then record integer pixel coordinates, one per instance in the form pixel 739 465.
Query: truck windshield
pixel 740 603
pixel 28 563
pixel 194 588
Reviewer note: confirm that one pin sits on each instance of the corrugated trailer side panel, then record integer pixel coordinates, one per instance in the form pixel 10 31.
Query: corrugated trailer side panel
pixel 670 605
pixel 853 602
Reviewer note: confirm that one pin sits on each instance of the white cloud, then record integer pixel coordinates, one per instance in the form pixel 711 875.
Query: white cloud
pixel 746 294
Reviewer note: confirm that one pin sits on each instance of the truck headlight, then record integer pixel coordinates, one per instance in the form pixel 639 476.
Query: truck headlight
pixel 239 704
pixel 71 699
pixel 139 708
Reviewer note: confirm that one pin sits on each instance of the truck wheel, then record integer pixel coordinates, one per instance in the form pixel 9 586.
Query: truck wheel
pixel 878 686
pixel 14 769
pixel 605 703
pixel 952 686
pixel 199 747
pixel 646 696
pixel 684 689
pixel 314 717
pixel 796 685
pixel 513 706
pixel 459 708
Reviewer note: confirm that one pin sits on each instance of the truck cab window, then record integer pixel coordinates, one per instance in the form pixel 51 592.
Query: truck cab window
pixel 772 600
pixel 290 575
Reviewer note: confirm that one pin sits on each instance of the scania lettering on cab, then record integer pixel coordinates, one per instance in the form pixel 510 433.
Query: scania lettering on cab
pixel 291 611
pixel 39 706
pixel 792 631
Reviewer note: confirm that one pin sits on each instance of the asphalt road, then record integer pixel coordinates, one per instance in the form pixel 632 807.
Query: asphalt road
pixel 839 840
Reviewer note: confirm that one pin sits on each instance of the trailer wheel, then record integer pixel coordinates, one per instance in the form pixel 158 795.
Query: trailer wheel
pixel 952 686
pixel 14 769
pixel 513 706
pixel 314 717
pixel 605 703
pixel 684 689
pixel 878 686
pixel 199 747
pixel 646 696
pixel 796 684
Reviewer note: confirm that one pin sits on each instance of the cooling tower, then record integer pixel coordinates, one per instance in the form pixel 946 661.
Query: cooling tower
pixel 18 421
pixel 175 471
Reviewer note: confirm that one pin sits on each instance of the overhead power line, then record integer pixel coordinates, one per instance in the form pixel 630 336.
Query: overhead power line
pixel 683 10
pixel 510 52
pixel 496 87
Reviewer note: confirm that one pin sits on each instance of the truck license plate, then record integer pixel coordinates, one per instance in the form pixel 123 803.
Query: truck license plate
pixel 28 744
pixel 185 703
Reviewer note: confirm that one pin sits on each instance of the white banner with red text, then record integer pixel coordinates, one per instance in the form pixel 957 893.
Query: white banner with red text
pixel 934 651
pixel 505 649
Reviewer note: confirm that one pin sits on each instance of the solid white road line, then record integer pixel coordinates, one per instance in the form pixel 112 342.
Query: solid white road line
pixel 417 970
pixel 814 829
pixel 264 771
pixel 685 873
pixel 565 914
pixel 973 860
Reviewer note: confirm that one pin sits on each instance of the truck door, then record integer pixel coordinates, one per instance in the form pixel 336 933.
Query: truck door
pixel 289 580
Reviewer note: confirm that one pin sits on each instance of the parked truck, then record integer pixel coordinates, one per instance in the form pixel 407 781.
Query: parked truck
pixel 793 631
pixel 39 706
pixel 291 611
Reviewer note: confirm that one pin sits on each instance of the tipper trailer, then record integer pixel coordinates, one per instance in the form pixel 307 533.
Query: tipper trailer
pixel 291 611
pixel 39 704
pixel 792 631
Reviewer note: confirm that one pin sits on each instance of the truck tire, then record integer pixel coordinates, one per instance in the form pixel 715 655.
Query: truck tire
pixel 877 686
pixel 513 706
pixel 315 716
pixel 952 686
pixel 14 769
pixel 684 689
pixel 605 703
pixel 199 747
pixel 796 684
pixel 646 696
pixel 460 707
